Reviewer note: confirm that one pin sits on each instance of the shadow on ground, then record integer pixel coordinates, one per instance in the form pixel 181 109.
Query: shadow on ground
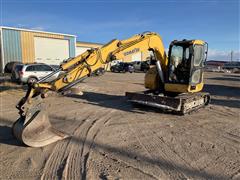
pixel 117 102
pixel 6 87
pixel 233 103
pixel 232 75
pixel 104 100
pixel 221 90
pixel 226 78
pixel 6 135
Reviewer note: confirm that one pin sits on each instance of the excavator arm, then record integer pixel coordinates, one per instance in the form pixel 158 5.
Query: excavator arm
pixel 77 68
pixel 33 127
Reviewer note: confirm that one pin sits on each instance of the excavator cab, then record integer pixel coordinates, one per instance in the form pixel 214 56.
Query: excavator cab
pixel 185 66
pixel 180 88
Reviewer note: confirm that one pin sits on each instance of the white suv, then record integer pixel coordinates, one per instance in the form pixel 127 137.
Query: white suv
pixel 30 73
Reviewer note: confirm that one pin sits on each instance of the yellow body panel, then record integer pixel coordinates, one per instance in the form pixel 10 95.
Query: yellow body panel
pixel 152 83
pixel 143 44
pixel 151 80
pixel 199 42
pixel 182 88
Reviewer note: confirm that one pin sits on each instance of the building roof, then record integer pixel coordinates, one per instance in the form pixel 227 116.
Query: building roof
pixel 32 30
pixel 88 44
pixel 215 62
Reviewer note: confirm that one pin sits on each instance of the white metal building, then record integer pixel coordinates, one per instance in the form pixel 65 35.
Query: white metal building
pixel 28 46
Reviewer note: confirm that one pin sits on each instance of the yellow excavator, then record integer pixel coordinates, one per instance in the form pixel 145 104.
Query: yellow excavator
pixel 174 83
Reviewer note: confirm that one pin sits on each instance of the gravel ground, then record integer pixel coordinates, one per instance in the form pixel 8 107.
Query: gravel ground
pixel 111 139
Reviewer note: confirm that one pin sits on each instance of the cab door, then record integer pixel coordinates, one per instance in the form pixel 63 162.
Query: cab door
pixel 197 64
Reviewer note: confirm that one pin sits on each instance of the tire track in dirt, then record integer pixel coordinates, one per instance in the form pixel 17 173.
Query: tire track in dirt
pixel 223 144
pixel 220 134
pixel 176 166
pixel 210 149
pixel 57 159
pixel 139 166
pixel 132 166
pixel 69 157
pixel 82 143
pixel 169 161
pixel 193 164
pixel 73 167
pixel 156 150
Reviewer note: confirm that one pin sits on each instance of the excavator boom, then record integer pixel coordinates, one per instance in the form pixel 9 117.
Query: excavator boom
pixel 33 127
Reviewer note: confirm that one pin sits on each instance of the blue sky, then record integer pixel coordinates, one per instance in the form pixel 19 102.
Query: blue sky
pixel 216 22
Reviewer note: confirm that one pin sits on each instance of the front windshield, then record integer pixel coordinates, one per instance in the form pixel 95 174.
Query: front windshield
pixel 179 65
pixel 176 55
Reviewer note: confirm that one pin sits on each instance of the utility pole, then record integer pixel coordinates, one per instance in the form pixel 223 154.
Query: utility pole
pixel 231 55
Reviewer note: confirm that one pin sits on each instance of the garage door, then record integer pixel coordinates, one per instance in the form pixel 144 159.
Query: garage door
pixel 80 50
pixel 51 51
pixel 137 57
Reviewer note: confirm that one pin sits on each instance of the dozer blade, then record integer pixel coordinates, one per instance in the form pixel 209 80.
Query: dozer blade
pixel 181 104
pixel 35 130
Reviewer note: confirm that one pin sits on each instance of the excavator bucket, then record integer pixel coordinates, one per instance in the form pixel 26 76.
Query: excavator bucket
pixel 36 130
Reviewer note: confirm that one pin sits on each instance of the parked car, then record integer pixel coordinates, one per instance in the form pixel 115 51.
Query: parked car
pixel 145 66
pixel 137 65
pixel 30 73
pixel 100 71
pixel 122 67
pixel 15 75
pixel 141 65
pixel 232 66
pixel 9 67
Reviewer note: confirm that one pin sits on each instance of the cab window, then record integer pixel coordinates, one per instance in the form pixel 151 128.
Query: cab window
pixel 30 68
pixel 198 55
pixel 42 68
pixel 45 68
pixel 177 53
pixel 187 55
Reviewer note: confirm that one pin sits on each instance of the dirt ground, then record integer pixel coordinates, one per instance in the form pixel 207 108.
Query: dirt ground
pixel 111 139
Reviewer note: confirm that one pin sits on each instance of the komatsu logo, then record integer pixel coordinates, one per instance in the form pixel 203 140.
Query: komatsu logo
pixel 131 52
